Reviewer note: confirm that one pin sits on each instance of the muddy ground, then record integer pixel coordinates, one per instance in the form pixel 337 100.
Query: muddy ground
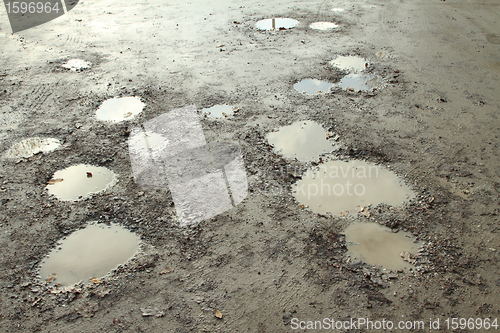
pixel 267 261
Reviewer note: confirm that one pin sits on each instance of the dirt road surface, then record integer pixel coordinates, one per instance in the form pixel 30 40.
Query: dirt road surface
pixel 268 263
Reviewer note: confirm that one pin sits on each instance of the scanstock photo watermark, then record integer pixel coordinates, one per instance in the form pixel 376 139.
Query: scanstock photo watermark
pixel 24 15
pixel 432 324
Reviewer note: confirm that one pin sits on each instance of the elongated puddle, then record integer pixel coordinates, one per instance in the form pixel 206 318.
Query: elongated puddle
pixel 89 253
pixel 219 111
pixel 323 25
pixel 349 63
pixel 364 82
pixel 377 245
pixel 278 23
pixel 32 146
pixel 80 181
pixel 119 109
pixel 341 188
pixel 304 140
pixel 312 86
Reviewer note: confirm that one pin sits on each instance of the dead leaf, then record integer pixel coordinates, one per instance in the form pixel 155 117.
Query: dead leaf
pixel 54 181
pixel 344 213
pixel 218 314
pixel 51 278
pixel 166 270
pixel 235 109
pixel 128 115
pixel 89 174
pixel 224 114
pixel 95 280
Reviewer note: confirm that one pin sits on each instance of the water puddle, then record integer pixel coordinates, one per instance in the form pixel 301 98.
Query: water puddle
pixel 219 111
pixel 80 182
pixel 278 23
pixel 77 64
pixel 313 86
pixel 119 109
pixel 89 253
pixel 323 25
pixel 342 188
pixel 32 146
pixel 304 140
pixel 377 245
pixel 351 63
pixel 364 82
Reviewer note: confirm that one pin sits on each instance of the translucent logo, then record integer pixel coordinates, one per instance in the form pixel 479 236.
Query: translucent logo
pixel 28 14
pixel 204 179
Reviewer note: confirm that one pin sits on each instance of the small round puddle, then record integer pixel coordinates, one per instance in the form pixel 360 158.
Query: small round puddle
pixel 119 109
pixel 304 140
pixel 341 188
pixel 323 25
pixel 89 253
pixel 278 23
pixel 377 245
pixel 80 181
pixel 32 146
pixel 351 63
pixel 219 111
pixel 76 64
pixel 364 82
pixel 313 86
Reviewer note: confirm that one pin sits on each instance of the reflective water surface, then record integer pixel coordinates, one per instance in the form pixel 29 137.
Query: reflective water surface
pixel 313 86
pixel 80 181
pixel 364 82
pixel 377 245
pixel 32 146
pixel 91 252
pixel 119 109
pixel 341 188
pixel 279 23
pixel 304 140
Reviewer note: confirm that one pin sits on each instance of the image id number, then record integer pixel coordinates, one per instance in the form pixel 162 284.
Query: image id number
pixel 32 7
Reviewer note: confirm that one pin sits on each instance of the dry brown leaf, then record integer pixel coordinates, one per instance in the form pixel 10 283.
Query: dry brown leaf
pixel 344 213
pixel 166 270
pixel 51 278
pixel 89 174
pixel 54 181
pixel 218 314
pixel 95 280
pixel 128 115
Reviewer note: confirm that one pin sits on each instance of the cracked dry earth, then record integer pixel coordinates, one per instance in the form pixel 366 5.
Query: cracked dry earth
pixel 434 122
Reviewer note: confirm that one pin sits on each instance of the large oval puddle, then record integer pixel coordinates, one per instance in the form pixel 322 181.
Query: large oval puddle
pixel 377 245
pixel 278 23
pixel 363 82
pixel 351 63
pixel 313 86
pixel 303 140
pixel 89 253
pixel 119 109
pixel 340 188
pixel 80 181
pixel 32 146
